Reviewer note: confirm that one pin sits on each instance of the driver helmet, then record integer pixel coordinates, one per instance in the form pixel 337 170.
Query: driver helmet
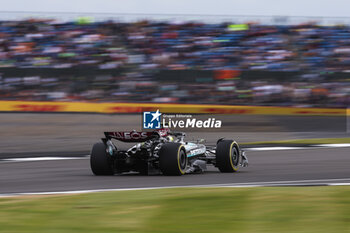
pixel 170 138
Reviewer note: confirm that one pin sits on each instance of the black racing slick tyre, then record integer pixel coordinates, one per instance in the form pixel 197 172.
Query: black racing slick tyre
pixel 227 156
pixel 101 164
pixel 172 159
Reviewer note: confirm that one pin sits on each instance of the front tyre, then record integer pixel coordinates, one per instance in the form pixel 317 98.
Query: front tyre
pixel 172 159
pixel 227 156
pixel 101 164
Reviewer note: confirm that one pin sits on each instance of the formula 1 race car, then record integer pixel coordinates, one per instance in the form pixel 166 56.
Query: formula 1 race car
pixel 163 151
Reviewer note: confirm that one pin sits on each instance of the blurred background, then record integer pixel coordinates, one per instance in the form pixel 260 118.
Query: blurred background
pixel 175 58
pixel 241 53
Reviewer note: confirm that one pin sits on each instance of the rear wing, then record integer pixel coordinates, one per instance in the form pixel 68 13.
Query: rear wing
pixel 135 136
pixel 132 136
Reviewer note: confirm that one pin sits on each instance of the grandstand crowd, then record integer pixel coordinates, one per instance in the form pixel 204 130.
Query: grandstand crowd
pixel 148 45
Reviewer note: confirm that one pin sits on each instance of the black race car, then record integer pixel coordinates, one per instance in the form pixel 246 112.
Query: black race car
pixel 163 152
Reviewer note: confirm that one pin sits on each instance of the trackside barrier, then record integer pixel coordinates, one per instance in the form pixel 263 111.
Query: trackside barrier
pixel 110 108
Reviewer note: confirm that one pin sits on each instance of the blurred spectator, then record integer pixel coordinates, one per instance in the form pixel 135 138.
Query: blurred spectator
pixel 40 43
pixel 148 46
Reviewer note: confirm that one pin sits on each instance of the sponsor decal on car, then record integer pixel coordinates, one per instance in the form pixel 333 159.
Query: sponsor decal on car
pixel 129 135
pixel 198 151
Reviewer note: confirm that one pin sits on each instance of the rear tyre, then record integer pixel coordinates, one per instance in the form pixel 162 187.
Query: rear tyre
pixel 172 159
pixel 227 156
pixel 101 164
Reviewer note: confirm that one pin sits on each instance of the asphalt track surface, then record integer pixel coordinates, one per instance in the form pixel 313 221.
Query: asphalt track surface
pixel 37 135
pixel 54 133
pixel 308 166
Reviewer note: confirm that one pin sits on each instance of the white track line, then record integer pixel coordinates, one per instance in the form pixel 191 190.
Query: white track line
pixel 275 148
pixel 316 146
pixel 335 145
pixel 272 148
pixel 238 185
pixel 34 159
pixel 339 184
pixel 286 182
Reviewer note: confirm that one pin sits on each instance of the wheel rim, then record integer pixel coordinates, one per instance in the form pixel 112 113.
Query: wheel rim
pixel 234 156
pixel 183 160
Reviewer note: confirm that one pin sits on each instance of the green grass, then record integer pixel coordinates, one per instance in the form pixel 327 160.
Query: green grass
pixel 212 210
pixel 312 141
